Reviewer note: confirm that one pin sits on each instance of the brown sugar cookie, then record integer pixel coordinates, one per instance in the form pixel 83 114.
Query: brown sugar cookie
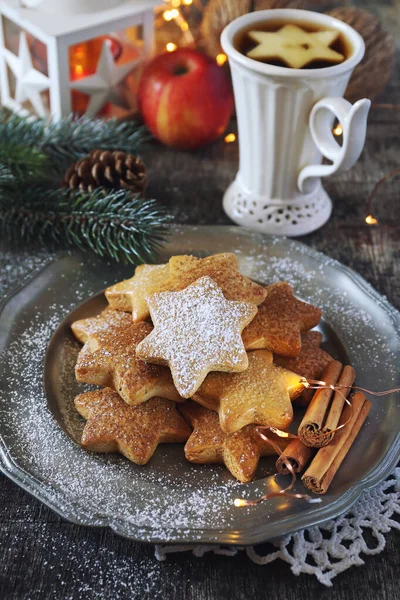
pixel 109 359
pixel 280 321
pixel 239 452
pixel 261 395
pixel 223 269
pixel 134 431
pixel 130 295
pixel 107 320
pixel 196 331
pixel 310 363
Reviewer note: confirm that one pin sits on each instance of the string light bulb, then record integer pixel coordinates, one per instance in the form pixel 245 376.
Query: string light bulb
pixel 338 130
pixel 170 47
pixel 229 138
pixel 187 2
pixel 221 59
pixel 370 220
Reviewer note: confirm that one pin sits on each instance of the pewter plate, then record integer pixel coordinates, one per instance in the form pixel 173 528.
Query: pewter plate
pixel 170 500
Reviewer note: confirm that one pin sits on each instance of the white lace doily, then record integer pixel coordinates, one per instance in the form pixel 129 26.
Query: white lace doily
pixel 332 547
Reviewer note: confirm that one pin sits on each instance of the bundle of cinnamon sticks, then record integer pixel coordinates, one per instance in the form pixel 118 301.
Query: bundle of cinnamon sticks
pixel 328 429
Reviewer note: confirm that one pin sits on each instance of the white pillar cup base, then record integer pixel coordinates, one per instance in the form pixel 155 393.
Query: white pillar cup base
pixel 299 216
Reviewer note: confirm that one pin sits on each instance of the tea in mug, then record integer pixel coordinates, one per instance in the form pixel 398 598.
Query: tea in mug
pixel 293 44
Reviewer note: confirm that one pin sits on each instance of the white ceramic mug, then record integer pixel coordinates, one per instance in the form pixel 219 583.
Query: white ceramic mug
pixel 285 119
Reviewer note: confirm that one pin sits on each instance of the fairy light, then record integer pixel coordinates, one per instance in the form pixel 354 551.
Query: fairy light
pixel 262 432
pixel 221 59
pixel 170 47
pixel 229 138
pixel 370 220
pixel 338 130
pixel 176 3
pixel 240 502
pixel 187 2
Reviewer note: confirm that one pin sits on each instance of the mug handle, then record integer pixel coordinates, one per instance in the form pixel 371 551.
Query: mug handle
pixel 353 119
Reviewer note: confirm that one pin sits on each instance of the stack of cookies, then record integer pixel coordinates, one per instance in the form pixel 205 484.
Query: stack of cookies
pixel 192 351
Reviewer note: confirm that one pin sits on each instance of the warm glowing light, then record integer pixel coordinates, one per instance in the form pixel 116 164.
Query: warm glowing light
pixel 170 47
pixel 187 2
pixel 78 70
pixel 221 59
pixel 176 3
pixel 239 502
pixel 370 220
pixel 184 26
pixel 338 130
pixel 279 432
pixel 231 137
pixel 171 14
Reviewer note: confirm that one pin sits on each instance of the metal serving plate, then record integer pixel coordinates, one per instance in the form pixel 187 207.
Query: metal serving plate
pixel 170 500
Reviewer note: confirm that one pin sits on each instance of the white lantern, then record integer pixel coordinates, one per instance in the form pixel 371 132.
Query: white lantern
pixel 63 56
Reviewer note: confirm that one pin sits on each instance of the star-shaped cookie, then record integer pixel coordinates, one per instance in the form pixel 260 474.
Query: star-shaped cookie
pixel 310 363
pixel 135 431
pixel 294 46
pixel 107 320
pixel 130 295
pixel 240 451
pixel 261 395
pixel 109 359
pixel 223 269
pixel 196 331
pixel 280 321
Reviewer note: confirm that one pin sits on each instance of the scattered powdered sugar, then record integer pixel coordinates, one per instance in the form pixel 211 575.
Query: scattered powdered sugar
pixel 196 331
pixel 168 499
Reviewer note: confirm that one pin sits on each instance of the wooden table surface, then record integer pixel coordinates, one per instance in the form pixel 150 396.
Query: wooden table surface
pixel 43 556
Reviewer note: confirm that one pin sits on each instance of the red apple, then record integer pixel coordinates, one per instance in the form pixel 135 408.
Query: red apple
pixel 185 98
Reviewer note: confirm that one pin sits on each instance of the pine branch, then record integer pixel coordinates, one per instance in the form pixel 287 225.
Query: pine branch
pixel 70 139
pixel 111 223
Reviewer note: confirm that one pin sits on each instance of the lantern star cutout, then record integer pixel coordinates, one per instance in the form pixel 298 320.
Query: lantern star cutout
pixel 294 46
pixel 196 331
pixel 280 321
pixel 130 294
pixel 108 358
pixel 134 431
pixel 240 451
pixel 261 395
pixel 102 86
pixel 29 82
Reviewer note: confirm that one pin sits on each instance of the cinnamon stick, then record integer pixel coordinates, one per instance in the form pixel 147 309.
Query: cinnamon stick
pixel 310 428
pixel 327 461
pixel 298 456
pixel 345 382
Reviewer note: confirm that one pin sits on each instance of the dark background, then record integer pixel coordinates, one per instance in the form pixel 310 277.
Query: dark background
pixel 43 556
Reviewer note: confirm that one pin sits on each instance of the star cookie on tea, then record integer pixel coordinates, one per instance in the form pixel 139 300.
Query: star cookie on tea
pixel 130 295
pixel 109 359
pixel 223 269
pixel 196 331
pixel 134 431
pixel 240 451
pixel 294 46
pixel 107 320
pixel 310 363
pixel 280 321
pixel 261 395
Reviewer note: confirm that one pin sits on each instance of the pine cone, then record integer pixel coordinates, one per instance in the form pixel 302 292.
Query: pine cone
pixel 103 168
